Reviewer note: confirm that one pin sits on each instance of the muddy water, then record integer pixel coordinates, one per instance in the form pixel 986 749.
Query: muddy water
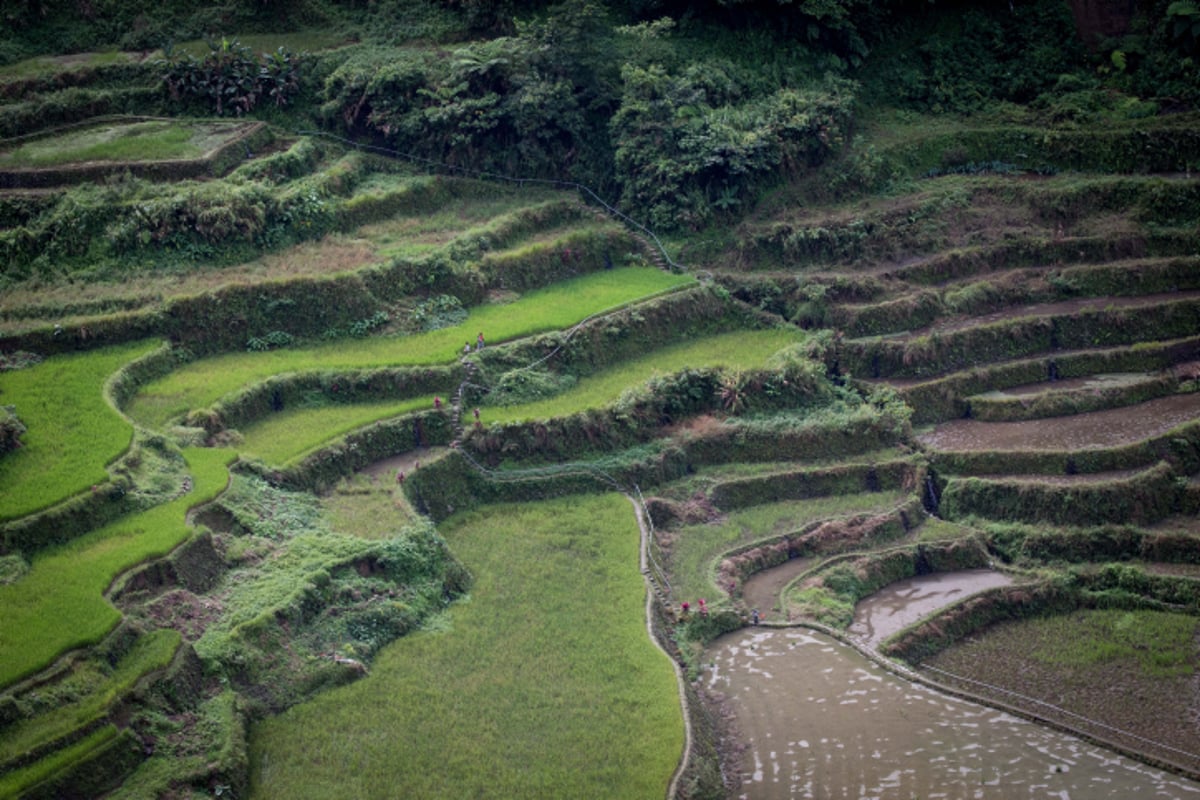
pixel 762 589
pixel 895 607
pixel 1108 428
pixel 820 721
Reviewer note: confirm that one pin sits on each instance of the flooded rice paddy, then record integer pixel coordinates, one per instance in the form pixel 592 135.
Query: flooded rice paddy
pixel 819 720
pixel 891 610
pixel 1099 429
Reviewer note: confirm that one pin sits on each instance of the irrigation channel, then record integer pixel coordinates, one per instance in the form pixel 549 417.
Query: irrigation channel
pixel 818 719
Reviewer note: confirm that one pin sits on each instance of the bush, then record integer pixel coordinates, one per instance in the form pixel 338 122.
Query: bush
pixel 230 79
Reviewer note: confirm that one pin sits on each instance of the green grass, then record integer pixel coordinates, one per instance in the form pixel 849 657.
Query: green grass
pixel 200 384
pixel 697 547
pixel 736 349
pixel 293 433
pixel 544 684
pixel 73 431
pixel 16 782
pixel 139 141
pixel 59 603
pixel 475 214
pixel 151 652
pixel 1160 643
pixel 368 507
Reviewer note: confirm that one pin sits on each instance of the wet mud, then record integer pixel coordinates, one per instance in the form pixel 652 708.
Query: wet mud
pixel 1098 429
pixel 762 589
pixel 1094 383
pixel 820 721
pixel 405 462
pixel 895 607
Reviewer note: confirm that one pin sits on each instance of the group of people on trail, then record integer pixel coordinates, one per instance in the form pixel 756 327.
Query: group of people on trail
pixel 466 351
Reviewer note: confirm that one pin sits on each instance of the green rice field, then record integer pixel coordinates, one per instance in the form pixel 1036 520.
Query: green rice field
pixel 73 431
pixel 59 603
pixel 544 684
pixel 289 435
pixel 738 349
pixel 201 383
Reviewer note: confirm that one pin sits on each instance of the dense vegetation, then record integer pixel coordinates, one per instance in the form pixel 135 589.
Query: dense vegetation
pixel 750 263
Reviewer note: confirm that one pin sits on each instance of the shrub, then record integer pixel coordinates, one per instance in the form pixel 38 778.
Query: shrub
pixel 231 79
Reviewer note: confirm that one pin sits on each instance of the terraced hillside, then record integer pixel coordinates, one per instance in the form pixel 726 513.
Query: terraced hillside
pixel 310 360
pixel 1042 334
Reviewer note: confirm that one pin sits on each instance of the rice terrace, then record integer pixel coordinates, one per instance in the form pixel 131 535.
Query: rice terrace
pixel 414 399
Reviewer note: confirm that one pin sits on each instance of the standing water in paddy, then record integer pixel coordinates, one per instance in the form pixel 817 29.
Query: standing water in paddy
pixel 820 721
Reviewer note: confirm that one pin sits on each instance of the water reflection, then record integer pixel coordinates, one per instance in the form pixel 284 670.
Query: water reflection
pixel 821 721
pixel 898 605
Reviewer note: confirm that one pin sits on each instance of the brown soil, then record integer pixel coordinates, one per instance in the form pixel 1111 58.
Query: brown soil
pixel 405 462
pixel 1155 714
pixel 1109 428
pixel 1046 310
pixel 1094 383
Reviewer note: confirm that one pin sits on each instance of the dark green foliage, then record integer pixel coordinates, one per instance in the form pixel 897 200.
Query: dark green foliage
pixel 692 145
pixel 1143 498
pixel 231 79
pixel 442 311
pixel 1026 544
pixel 526 385
pixel 11 429
pixel 964 58
pixel 816 482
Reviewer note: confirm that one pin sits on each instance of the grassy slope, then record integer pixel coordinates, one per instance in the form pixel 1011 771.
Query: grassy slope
pixel 59 603
pixel 293 433
pixel 290 434
pixel 200 384
pixel 73 431
pixel 739 349
pixel 544 684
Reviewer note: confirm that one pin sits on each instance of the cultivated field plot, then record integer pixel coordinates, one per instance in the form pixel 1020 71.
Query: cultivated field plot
pixel 151 140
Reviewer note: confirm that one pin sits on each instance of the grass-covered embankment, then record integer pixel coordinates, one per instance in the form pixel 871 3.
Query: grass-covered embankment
pixel 735 350
pixel 59 603
pixel 544 684
pixel 201 383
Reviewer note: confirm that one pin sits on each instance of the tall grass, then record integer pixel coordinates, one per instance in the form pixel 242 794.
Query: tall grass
pixel 697 547
pixel 201 383
pixel 59 603
pixel 736 349
pixel 73 431
pixel 543 685
pixel 293 433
